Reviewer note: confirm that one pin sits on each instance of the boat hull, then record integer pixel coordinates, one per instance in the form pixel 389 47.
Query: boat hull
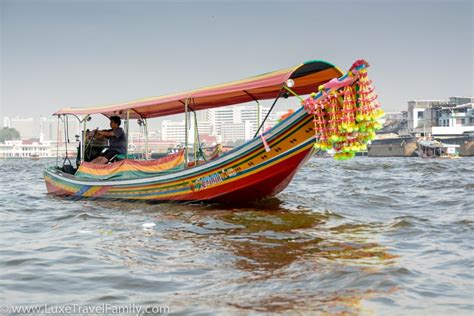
pixel 244 174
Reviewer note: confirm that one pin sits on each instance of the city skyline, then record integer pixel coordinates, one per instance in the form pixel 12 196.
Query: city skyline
pixel 210 122
pixel 58 54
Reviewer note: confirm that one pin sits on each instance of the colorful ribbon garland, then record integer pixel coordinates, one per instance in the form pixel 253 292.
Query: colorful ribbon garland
pixel 345 117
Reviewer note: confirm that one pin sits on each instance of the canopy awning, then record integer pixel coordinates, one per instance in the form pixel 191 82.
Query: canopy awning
pixel 307 77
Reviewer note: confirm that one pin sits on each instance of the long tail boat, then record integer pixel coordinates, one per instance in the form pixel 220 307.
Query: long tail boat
pixel 338 112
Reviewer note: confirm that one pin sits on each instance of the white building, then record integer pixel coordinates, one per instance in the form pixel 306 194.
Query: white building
pixel 231 123
pixel 6 121
pixel 175 130
pixel 455 120
pixel 26 149
pixel 416 116
pixel 236 131
pixel 440 117
pixel 220 118
pixel 250 114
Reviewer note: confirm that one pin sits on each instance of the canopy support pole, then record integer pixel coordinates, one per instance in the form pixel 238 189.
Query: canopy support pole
pixel 196 138
pixel 84 136
pixel 57 144
pixel 66 138
pixel 186 133
pixel 268 113
pixel 146 138
pixel 127 129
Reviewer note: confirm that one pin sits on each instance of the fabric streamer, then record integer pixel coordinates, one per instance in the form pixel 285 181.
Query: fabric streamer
pixel 265 144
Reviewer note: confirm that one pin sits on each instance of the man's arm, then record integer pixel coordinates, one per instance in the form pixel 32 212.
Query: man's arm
pixel 105 133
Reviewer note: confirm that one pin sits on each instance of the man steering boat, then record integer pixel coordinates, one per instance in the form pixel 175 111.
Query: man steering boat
pixel 117 141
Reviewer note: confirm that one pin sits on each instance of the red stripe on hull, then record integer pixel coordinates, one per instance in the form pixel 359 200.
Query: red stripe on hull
pixel 259 185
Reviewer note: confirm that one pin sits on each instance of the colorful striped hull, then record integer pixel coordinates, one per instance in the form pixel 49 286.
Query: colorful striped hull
pixel 248 172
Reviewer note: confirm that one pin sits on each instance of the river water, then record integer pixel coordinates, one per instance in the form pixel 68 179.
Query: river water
pixel 384 236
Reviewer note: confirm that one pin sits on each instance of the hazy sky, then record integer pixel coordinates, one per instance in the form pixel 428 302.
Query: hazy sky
pixel 85 53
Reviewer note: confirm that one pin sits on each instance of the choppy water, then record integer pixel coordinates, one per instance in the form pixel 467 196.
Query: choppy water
pixel 366 236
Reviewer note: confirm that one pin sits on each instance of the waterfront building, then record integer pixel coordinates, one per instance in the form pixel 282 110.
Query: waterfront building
pixel 394 122
pixel 418 117
pixel 440 117
pixel 395 116
pixel 26 148
pixel 456 120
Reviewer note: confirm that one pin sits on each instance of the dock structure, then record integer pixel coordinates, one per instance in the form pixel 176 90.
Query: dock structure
pixel 410 146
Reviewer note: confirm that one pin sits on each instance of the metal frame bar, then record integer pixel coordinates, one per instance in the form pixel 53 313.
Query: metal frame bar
pixel 145 122
pixel 269 111
pixel 57 144
pixel 83 150
pixel 127 129
pixel 186 132
pixel 195 138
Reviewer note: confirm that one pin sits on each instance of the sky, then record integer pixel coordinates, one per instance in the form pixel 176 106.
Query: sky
pixel 58 54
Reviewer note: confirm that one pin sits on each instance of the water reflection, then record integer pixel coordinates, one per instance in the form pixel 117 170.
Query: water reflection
pixel 263 257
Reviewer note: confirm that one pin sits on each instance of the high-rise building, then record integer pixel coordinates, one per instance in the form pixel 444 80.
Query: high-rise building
pixel 31 128
pixel 49 128
pixel 6 121
pixel 221 118
pixel 173 131
pixel 25 126
pixel 236 131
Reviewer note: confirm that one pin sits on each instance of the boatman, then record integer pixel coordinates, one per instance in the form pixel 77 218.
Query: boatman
pixel 117 141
